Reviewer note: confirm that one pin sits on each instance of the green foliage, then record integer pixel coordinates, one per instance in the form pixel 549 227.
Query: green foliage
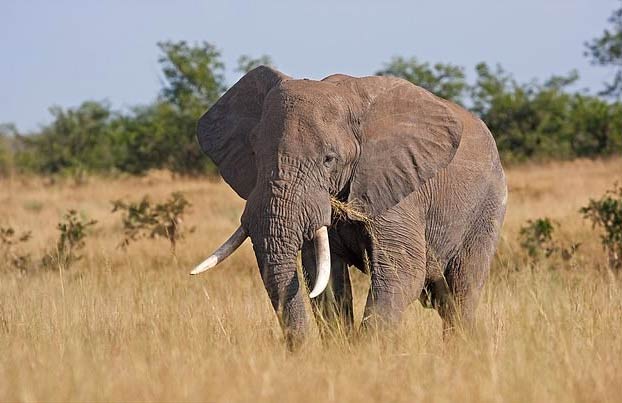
pixel 9 242
pixel 77 139
pixel 544 121
pixel 247 63
pixel 607 51
pixel 514 113
pixel 194 81
pixel 594 127
pixel 445 80
pixel 73 231
pixel 7 136
pixel 606 212
pixel 5 156
pixel 194 75
pixel 158 136
pixel 146 219
pixel 536 238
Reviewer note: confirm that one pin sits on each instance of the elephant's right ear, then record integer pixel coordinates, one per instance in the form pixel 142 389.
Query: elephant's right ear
pixel 223 131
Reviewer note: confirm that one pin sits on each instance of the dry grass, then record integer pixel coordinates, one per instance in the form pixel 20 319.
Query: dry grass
pixel 134 326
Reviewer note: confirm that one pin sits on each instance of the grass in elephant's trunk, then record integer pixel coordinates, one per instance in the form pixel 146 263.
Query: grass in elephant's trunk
pixel 132 325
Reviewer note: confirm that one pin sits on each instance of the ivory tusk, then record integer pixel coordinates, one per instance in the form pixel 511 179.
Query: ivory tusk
pixel 322 261
pixel 227 248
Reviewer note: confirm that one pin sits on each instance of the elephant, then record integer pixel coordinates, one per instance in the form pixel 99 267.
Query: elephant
pixel 370 172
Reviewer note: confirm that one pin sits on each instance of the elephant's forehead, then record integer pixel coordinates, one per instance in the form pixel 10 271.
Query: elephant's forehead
pixel 314 99
pixel 305 111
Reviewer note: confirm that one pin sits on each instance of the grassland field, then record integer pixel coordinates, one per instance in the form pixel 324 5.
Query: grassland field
pixel 132 325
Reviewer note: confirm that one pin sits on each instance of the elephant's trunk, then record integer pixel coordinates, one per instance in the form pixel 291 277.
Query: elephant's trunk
pixel 287 298
pixel 278 221
pixel 276 256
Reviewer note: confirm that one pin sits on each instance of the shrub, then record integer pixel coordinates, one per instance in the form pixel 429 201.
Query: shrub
pixel 536 237
pixel 73 231
pixel 9 239
pixel 606 212
pixel 145 219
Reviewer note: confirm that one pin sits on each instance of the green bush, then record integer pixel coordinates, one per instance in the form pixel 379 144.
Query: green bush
pixel 536 238
pixel 73 231
pixel 77 139
pixel 5 157
pixel 606 213
pixel 7 136
pixel 146 219
pixel 9 248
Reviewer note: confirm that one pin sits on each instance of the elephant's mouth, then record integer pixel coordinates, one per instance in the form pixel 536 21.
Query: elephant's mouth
pixel 322 256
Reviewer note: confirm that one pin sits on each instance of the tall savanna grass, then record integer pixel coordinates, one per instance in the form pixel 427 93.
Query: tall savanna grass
pixel 131 324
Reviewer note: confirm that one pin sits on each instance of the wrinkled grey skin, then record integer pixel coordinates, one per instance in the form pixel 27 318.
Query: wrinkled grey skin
pixel 425 171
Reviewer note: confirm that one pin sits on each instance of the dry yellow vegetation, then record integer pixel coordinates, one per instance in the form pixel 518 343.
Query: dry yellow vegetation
pixel 133 325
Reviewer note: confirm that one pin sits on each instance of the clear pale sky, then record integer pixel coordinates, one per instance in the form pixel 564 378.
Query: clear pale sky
pixel 66 51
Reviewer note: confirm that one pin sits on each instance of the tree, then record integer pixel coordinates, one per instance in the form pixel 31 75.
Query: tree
pixel 533 120
pixel 606 50
pixel 489 87
pixel 194 74
pixel 7 136
pixel 77 139
pixel 596 126
pixel 247 63
pixel 159 135
pixel 194 77
pixel 445 80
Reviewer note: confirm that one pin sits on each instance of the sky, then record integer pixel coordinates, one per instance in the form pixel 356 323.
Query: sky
pixel 64 52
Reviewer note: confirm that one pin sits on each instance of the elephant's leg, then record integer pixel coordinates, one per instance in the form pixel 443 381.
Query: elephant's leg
pixel 333 308
pixel 465 276
pixel 398 264
pixel 457 306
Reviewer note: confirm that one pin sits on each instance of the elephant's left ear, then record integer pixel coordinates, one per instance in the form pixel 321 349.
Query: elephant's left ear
pixel 407 135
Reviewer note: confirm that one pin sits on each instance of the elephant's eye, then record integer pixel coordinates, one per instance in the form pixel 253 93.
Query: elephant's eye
pixel 329 160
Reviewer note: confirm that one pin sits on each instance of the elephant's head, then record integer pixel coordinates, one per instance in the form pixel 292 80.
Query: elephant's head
pixel 287 146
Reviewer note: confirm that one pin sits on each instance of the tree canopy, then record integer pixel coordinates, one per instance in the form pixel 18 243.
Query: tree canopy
pixel 247 63
pixel 445 80
pixel 606 50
